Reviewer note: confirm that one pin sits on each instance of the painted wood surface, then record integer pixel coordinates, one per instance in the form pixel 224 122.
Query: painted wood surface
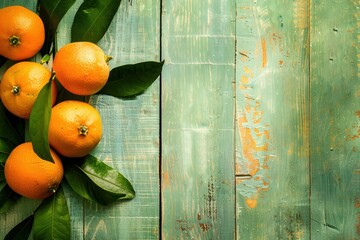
pixel 335 104
pixel 252 132
pixel 272 120
pixel 197 120
pixel 272 184
pixel 130 140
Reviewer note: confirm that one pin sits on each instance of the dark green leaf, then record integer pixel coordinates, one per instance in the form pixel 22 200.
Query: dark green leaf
pixel 107 177
pixel 52 218
pixel 93 19
pixel 7 197
pixel 7 128
pixel 131 80
pixel 22 230
pixel 3 157
pixel 2 61
pixel 98 182
pixel 39 123
pixel 2 176
pixel 64 94
pixel 6 146
pixel 51 12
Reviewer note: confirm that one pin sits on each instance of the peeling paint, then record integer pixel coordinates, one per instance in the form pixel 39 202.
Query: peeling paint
pixel 248 146
pixel 254 133
pixel 251 203
pixel 351 135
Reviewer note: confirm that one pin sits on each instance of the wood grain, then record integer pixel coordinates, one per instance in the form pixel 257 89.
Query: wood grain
pixel 272 120
pixel 197 120
pixel 131 133
pixel 131 138
pixel 335 105
pixel 254 134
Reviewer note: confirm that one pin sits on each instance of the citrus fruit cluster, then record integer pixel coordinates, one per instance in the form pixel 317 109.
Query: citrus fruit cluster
pixel 75 127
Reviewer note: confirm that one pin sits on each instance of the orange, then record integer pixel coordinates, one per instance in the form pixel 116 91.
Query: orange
pixel 22 33
pixel 82 68
pixel 29 175
pixel 20 86
pixel 75 128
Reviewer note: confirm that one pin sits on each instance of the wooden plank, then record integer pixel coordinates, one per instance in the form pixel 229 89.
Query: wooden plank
pixel 272 113
pixel 197 119
pixel 131 137
pixel 131 133
pixel 335 142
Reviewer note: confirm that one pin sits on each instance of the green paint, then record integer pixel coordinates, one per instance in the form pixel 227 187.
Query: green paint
pixel 335 119
pixel 131 137
pixel 272 191
pixel 197 120
pixel 289 139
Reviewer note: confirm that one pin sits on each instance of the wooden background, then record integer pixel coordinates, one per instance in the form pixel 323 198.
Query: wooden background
pixel 251 132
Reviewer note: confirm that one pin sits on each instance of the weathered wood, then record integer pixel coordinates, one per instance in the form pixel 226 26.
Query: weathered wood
pixel 258 126
pixel 272 117
pixel 197 120
pixel 131 137
pixel 335 104
pixel 131 133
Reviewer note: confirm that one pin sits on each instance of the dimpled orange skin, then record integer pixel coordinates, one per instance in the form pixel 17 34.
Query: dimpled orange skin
pixel 75 128
pixel 31 176
pixel 82 68
pixel 24 24
pixel 28 78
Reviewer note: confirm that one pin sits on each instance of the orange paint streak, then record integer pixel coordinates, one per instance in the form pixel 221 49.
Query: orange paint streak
pixel 244 80
pixel 249 146
pixel 248 71
pixel 264 53
pixel 251 203
pixel 165 180
pixel 301 14
pixel 254 135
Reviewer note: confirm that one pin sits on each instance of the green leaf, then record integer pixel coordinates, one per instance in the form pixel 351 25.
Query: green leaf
pixel 64 94
pixel 131 80
pixel 2 61
pixel 8 126
pixel 52 218
pixel 98 182
pixel 93 19
pixel 6 146
pixel 45 59
pixel 2 176
pixel 39 123
pixel 7 197
pixel 3 157
pixel 22 230
pixel 51 12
